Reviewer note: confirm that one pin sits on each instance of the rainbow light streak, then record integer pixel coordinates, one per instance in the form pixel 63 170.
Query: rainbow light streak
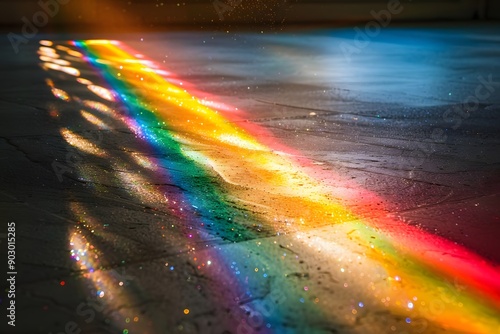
pixel 139 186
pixel 284 198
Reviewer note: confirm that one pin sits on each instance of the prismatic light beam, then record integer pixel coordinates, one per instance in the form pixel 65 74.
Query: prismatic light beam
pixel 285 198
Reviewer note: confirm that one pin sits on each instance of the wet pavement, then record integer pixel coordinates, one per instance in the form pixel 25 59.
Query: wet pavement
pixel 305 181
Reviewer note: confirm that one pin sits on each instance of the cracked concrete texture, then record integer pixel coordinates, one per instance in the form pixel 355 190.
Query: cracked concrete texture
pixel 301 91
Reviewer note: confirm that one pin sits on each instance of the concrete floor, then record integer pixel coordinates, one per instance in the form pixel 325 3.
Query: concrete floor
pixel 130 221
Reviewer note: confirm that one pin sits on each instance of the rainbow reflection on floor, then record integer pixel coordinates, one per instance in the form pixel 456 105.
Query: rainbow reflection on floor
pixel 386 273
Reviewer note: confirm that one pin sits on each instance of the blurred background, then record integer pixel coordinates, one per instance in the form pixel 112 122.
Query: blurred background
pixel 137 14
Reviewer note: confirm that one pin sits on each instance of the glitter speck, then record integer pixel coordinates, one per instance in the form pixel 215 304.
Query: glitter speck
pixel 408 320
pixel 186 311
pixel 410 305
pixel 360 304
